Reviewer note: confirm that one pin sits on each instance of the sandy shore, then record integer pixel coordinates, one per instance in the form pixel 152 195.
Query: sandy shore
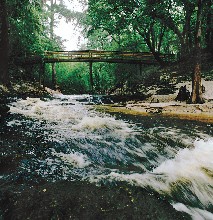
pixel 166 105
pixel 200 112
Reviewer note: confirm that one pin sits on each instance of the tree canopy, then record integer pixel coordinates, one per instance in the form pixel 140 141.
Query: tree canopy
pixel 158 23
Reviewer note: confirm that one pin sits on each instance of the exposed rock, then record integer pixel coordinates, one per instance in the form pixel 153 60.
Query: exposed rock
pixel 154 110
pixel 183 94
pixel 81 200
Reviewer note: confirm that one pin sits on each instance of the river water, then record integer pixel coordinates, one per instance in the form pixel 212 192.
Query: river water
pixel 169 156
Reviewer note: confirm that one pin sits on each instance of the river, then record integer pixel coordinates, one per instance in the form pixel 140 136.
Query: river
pixel 165 155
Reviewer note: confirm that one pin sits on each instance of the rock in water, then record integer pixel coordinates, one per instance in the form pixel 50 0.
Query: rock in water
pixel 4 109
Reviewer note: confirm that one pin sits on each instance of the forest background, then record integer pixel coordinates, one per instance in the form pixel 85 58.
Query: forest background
pixel 183 28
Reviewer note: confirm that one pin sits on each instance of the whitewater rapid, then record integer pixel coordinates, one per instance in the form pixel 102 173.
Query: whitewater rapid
pixel 175 161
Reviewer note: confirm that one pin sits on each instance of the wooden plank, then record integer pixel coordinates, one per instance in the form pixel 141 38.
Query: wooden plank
pixel 98 56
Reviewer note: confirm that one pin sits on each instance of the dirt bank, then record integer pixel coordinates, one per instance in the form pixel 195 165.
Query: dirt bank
pixel 200 112
pixel 166 105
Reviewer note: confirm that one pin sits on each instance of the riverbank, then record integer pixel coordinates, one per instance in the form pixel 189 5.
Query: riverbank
pixel 21 90
pixel 200 112
pixel 165 105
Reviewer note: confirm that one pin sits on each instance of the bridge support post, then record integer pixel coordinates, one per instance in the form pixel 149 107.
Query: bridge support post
pixel 42 73
pixel 91 77
pixel 140 69
pixel 53 76
pixel 39 76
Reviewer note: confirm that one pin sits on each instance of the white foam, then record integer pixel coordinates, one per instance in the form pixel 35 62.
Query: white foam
pixel 13 122
pixel 95 123
pixel 98 124
pixel 189 160
pixel 76 159
pixel 51 111
pixel 196 213
pixel 191 167
pixel 71 121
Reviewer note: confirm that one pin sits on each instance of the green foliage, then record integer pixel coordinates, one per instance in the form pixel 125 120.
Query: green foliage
pixel 30 31
pixel 104 77
pixel 73 78
pixel 26 28
pixel 162 26
pixel 30 26
pixel 143 25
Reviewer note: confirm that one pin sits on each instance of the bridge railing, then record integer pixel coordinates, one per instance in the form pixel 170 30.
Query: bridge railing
pixel 93 54
pixel 98 56
pixel 106 55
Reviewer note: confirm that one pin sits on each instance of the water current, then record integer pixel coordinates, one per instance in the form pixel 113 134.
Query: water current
pixel 170 156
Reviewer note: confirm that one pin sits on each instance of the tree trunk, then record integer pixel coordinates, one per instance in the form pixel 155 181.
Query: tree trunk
pixel 4 44
pixel 189 8
pixel 161 35
pixel 196 96
pixel 154 53
pixel 52 21
pixel 146 37
pixel 91 78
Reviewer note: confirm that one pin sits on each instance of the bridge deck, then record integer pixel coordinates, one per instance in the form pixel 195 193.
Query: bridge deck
pixel 101 56
pixel 90 56
pixel 97 56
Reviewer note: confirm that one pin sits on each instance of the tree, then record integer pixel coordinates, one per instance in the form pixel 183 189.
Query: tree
pixel 132 17
pixel 52 21
pixel 196 80
pixel 177 16
pixel 153 33
pixel 189 43
pixel 4 44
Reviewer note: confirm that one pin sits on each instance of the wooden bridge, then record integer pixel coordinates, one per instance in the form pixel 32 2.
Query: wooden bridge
pixel 92 56
pixel 103 56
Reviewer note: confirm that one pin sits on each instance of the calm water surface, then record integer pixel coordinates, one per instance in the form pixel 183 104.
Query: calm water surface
pixel 172 157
